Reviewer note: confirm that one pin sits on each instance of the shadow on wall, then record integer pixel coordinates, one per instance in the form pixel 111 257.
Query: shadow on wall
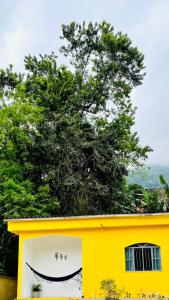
pixel 8 288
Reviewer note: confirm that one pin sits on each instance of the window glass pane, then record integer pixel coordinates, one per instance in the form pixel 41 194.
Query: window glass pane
pixel 138 259
pixel 156 252
pixel 129 265
pixel 147 259
pixel 156 264
pixel 129 253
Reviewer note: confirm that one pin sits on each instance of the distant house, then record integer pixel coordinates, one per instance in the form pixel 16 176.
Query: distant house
pixel 71 256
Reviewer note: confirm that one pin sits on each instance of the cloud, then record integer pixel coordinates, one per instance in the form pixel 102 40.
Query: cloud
pixel 152 98
pixel 22 36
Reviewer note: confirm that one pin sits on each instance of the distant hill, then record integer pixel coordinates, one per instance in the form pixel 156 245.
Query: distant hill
pixel 149 177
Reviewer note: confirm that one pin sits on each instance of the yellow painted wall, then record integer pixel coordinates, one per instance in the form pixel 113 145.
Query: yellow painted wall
pixel 103 249
pixel 7 288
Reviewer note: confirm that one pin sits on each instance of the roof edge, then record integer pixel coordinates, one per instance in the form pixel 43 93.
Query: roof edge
pixel 87 217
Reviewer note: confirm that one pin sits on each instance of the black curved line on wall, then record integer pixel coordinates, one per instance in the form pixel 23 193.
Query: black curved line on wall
pixel 55 279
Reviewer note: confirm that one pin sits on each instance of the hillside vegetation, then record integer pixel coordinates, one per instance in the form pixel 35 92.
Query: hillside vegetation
pixel 149 178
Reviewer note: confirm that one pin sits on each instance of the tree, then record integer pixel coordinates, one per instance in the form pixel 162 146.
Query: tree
pixel 165 185
pixel 84 142
pixel 66 138
pixel 152 202
pixel 147 200
pixel 19 196
pixel 8 252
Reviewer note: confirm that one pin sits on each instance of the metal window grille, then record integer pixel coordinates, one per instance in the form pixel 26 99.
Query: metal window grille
pixel 143 257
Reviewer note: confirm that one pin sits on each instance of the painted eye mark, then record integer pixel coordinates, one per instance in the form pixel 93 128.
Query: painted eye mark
pixel 55 279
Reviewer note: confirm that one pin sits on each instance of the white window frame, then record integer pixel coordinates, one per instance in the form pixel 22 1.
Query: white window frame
pixel 131 258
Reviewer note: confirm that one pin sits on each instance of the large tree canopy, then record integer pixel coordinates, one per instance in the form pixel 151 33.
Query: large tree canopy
pixel 66 131
pixel 66 138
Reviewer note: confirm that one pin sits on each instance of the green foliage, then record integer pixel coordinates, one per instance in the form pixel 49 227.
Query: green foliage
pixel 134 201
pixel 66 138
pixel 109 289
pixel 85 144
pixel 145 201
pixel 152 202
pixel 9 80
pixel 19 195
pixel 8 252
pixel 156 296
pixel 165 185
pixel 36 287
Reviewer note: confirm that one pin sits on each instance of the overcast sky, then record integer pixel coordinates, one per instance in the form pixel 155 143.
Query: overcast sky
pixel 34 26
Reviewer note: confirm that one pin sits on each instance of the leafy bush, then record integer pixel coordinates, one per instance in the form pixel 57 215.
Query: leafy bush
pixel 109 289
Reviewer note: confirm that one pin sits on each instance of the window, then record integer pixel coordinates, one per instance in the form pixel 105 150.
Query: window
pixel 143 257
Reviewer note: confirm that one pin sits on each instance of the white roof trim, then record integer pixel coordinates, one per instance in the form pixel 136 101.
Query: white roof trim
pixel 87 217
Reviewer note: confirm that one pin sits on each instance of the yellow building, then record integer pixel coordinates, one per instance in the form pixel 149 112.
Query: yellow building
pixel 70 256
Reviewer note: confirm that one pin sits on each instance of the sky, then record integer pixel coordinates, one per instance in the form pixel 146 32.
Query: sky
pixel 34 26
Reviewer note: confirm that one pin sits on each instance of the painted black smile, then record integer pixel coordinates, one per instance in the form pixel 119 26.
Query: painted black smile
pixel 54 279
